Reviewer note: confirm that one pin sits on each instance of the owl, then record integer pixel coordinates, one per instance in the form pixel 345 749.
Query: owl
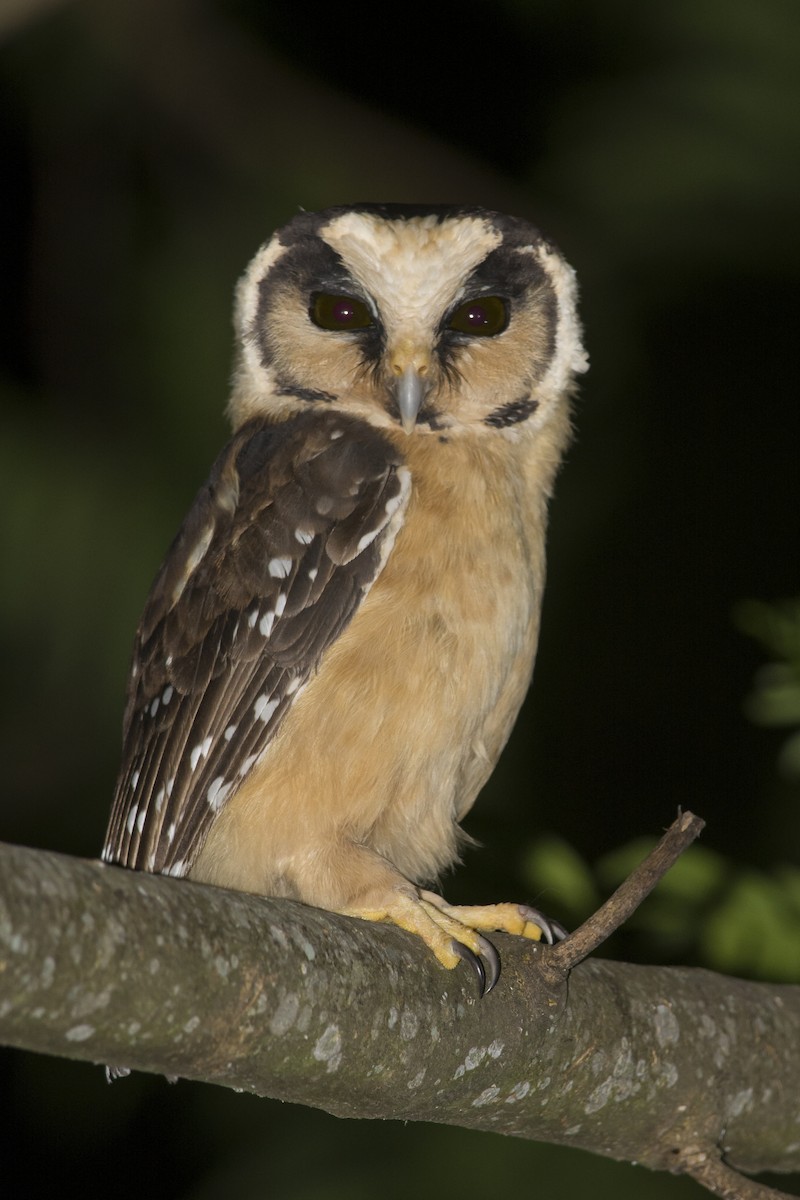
pixel 337 644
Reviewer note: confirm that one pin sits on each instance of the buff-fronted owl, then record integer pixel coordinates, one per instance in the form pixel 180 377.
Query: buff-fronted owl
pixel 336 647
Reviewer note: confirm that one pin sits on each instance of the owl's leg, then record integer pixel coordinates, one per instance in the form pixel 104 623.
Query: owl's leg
pixel 356 881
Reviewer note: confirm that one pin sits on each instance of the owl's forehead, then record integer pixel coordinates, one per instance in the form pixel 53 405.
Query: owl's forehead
pixel 421 258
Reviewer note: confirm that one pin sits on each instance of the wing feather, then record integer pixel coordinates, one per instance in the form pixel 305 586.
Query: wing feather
pixel 272 562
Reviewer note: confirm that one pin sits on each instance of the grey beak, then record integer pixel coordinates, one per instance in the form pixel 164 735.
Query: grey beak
pixel 410 392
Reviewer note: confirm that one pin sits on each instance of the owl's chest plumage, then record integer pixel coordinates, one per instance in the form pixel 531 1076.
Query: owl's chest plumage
pixel 431 673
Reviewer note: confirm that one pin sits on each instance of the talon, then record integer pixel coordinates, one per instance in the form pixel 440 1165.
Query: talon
pixel 475 962
pixel 550 931
pixel 491 962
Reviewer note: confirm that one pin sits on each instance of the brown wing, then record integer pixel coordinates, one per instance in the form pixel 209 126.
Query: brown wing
pixel 272 562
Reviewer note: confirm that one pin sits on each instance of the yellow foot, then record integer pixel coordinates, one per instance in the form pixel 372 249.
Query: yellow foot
pixel 452 932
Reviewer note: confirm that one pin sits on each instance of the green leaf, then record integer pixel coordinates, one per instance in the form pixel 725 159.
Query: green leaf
pixel 696 875
pixel 754 930
pixel 553 869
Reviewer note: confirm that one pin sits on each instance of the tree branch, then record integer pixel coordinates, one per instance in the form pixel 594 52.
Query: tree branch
pixel 269 996
pixel 628 896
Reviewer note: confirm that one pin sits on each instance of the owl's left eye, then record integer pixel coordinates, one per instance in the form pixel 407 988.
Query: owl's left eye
pixel 485 316
pixel 339 313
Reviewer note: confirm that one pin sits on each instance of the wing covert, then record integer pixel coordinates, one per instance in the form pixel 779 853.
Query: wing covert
pixel 276 553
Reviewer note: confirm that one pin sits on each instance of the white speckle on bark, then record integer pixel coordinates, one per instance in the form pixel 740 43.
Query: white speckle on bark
pixel 408 1026
pixel 285 1014
pixel 474 1058
pixel 600 1097
pixel 495 1048
pixel 741 1102
pixel 417 1080
pixel 487 1096
pixel 279 937
pixel 518 1092
pixel 328 1048
pixel 393 1018
pixel 666 1026
pixel 304 944
pixel 669 1074
pixel 191 1025
pixel 79 1033
pixel 598 1062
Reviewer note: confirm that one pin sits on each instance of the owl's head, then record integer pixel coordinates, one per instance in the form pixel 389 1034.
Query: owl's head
pixel 421 318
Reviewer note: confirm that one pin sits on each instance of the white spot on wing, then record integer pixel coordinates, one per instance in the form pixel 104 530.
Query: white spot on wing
pixel 304 536
pixel 171 834
pixel 244 769
pixel 280 603
pixel 264 708
pixel 131 821
pixel 200 751
pixel 367 539
pixel 266 623
pixel 229 732
pixel 217 793
pixel 166 695
pixel 134 780
pixel 154 707
pixel 313 573
pixel 292 685
pixel 177 870
pixel 279 568
pixel 160 798
pixel 252 617
pixel 394 502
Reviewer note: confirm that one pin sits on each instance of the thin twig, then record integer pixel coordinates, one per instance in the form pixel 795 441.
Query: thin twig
pixel 627 898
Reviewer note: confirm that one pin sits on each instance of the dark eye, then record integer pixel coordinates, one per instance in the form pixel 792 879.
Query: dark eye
pixel 484 316
pixel 339 312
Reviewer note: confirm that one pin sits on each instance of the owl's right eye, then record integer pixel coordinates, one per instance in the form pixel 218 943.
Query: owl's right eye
pixel 339 313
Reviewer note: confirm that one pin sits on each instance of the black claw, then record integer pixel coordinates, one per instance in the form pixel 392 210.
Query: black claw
pixel 552 931
pixel 491 961
pixel 464 952
pixel 485 964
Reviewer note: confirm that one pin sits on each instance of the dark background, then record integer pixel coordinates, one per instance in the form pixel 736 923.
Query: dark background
pixel 147 149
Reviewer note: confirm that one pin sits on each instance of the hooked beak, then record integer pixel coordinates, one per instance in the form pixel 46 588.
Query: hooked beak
pixel 410 391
